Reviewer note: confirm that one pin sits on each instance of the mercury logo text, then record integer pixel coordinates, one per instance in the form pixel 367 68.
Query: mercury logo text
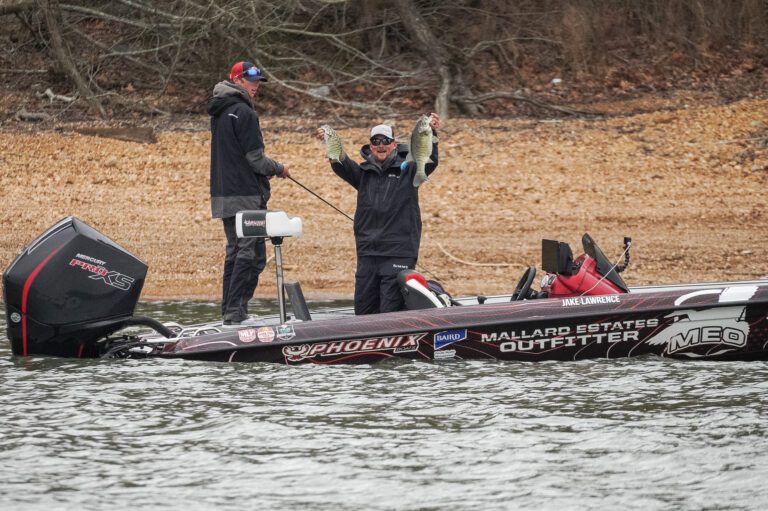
pixel 90 259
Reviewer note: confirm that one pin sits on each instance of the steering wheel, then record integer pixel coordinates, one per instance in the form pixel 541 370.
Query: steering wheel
pixel 524 285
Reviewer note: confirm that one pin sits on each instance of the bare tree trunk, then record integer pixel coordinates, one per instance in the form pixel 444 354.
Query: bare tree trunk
pixel 17 7
pixel 438 57
pixel 53 21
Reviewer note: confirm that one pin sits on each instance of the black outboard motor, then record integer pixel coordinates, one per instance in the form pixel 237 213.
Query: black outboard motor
pixel 70 288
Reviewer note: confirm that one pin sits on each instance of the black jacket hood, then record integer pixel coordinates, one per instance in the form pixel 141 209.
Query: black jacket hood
pixel 225 94
pixel 397 157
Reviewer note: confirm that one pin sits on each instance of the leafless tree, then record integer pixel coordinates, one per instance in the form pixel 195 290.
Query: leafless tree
pixel 365 54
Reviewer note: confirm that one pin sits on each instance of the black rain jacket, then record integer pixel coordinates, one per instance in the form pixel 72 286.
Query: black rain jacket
pixel 388 218
pixel 239 168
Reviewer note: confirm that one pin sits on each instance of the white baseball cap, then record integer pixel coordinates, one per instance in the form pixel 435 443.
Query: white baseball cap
pixel 382 129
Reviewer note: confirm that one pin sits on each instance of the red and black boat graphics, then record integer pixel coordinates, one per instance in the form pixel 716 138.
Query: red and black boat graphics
pixel 718 322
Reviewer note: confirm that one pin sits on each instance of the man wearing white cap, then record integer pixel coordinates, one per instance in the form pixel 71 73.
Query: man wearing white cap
pixel 387 221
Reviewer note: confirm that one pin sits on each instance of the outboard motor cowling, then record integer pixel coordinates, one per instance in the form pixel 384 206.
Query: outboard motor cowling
pixel 69 288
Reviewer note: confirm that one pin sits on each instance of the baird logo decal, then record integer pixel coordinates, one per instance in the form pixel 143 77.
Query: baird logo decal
pixel 446 337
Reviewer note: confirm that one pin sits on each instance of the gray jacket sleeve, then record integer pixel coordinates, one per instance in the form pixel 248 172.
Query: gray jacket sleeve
pixel 262 164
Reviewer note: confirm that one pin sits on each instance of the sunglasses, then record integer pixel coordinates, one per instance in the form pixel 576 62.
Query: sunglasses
pixel 252 71
pixel 382 141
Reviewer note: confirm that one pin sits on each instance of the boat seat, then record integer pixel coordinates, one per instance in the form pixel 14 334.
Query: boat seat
pixel 417 292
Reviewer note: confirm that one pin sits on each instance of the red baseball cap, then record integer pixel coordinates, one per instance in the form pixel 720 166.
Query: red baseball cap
pixel 247 70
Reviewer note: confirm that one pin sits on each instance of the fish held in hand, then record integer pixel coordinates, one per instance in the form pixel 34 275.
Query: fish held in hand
pixel 333 147
pixel 420 149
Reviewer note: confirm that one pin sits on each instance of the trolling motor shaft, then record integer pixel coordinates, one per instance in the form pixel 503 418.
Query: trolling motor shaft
pixel 275 225
pixel 277 241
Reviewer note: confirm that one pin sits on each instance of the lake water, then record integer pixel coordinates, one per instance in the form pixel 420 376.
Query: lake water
pixel 644 433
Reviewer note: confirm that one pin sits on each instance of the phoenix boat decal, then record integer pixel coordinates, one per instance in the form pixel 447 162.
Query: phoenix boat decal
pixel 396 344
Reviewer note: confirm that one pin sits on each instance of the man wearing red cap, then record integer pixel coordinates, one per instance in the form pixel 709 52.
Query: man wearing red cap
pixel 240 174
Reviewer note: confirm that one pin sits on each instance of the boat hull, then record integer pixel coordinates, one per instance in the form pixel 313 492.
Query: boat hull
pixel 720 322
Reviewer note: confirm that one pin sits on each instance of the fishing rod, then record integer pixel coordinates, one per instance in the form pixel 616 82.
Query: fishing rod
pixel 316 195
pixel 425 270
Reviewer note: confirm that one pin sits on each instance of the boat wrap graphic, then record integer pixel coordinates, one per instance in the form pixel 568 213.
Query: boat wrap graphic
pixel 343 349
pixel 714 323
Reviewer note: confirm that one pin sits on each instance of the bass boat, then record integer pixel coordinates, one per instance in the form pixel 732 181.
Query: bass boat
pixel 72 292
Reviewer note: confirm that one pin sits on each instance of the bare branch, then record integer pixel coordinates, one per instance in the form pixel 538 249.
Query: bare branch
pixel 154 11
pixel 525 99
pixel 23 115
pixel 108 17
pixel 17 8
pixel 55 97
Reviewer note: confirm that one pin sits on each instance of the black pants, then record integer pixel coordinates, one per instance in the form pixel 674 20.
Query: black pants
pixel 244 261
pixel 376 288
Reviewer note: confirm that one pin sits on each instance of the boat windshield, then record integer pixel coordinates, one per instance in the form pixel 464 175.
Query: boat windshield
pixel 604 266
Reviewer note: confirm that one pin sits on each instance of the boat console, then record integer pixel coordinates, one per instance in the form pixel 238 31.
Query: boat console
pixel 590 274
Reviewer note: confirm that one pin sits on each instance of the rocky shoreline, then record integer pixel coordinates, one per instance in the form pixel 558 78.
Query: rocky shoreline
pixel 687 181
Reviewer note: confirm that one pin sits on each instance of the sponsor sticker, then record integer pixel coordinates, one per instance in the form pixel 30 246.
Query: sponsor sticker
pixel 447 337
pixel 248 335
pixel 265 334
pixel 691 328
pixel 285 332
pixel 714 334
pixel 395 344
pixel 569 336
pixel 445 354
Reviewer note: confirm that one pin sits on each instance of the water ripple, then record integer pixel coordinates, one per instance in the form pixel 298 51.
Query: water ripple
pixel 644 433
